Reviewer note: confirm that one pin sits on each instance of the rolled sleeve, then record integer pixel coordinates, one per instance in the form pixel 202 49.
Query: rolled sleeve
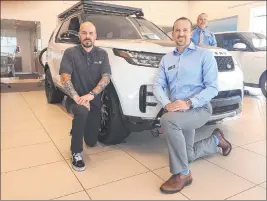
pixel 160 85
pixel 210 81
pixel 105 66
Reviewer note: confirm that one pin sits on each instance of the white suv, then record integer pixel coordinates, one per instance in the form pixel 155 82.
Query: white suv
pixel 249 49
pixel 135 47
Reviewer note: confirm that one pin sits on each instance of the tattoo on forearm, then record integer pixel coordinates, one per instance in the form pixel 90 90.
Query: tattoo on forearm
pixel 67 84
pixel 104 81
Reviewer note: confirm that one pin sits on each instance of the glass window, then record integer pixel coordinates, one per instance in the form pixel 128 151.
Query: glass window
pixel 229 40
pixel 148 30
pixel 112 27
pixel 258 20
pixel 64 27
pixel 8 44
pixel 219 39
pixel 256 40
pixel 72 26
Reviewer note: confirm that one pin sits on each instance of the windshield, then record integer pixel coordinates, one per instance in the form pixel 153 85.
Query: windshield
pixel 110 27
pixel 256 40
pixel 148 30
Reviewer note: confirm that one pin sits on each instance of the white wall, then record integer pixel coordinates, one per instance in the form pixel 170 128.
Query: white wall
pixel 162 14
pixel 223 9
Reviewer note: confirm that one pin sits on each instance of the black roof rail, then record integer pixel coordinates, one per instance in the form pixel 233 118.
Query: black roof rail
pixel 90 7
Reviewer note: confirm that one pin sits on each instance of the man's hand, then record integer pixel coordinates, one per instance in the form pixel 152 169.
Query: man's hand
pixel 85 99
pixel 178 105
pixel 76 98
pixel 86 104
pixel 171 107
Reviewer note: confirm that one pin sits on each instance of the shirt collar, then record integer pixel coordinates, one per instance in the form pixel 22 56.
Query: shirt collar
pixel 199 29
pixel 84 52
pixel 191 46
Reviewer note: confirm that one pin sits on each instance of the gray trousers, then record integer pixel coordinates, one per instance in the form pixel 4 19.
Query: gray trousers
pixel 179 129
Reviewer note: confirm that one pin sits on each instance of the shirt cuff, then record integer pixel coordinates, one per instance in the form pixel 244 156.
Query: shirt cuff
pixel 194 102
pixel 165 102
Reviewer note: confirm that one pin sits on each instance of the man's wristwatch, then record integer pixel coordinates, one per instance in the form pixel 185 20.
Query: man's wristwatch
pixel 189 103
pixel 93 93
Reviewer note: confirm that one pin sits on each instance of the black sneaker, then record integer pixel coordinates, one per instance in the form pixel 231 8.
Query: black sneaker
pixel 77 162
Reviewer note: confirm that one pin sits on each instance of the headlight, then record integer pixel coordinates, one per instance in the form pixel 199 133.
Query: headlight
pixel 140 58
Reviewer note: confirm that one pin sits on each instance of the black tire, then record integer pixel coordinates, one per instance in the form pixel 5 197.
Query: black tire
pixel 112 129
pixel 263 84
pixel 53 95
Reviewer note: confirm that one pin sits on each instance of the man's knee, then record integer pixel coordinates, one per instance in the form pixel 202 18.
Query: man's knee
pixel 80 110
pixel 91 143
pixel 167 121
pixel 164 120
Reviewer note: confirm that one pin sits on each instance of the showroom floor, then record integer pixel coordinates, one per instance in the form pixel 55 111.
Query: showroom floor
pixel 35 158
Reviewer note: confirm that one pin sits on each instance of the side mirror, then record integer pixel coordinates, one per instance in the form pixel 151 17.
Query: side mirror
pixel 69 37
pixel 239 46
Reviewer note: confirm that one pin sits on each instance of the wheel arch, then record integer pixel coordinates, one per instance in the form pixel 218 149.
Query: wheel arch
pixel 264 72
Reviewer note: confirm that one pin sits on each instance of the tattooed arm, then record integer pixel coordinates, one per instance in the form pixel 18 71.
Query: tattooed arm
pixel 104 81
pixel 67 84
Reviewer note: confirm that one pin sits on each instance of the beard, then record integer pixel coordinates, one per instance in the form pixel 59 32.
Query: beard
pixel 87 43
pixel 181 41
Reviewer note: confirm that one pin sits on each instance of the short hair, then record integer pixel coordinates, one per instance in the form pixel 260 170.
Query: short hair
pixel 202 14
pixel 183 18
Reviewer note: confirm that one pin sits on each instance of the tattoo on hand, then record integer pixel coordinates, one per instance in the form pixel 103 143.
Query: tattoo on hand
pixel 67 84
pixel 105 80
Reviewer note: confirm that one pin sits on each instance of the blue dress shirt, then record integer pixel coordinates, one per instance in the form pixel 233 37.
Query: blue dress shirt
pixel 209 38
pixel 191 75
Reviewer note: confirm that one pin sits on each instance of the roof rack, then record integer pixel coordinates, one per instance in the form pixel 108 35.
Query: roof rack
pixel 90 7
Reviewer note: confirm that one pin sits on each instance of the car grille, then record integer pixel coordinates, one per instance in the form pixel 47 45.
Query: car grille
pixel 224 109
pixel 225 63
pixel 228 94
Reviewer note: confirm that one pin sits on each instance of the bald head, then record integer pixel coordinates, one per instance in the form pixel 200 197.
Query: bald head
pixel 202 20
pixel 89 25
pixel 87 34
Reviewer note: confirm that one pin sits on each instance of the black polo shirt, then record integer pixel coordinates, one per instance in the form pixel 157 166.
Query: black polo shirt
pixel 86 69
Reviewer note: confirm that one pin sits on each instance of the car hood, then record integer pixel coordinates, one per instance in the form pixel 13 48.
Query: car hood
pixel 155 46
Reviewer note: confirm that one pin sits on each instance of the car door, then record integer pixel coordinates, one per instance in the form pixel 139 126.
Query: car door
pixel 244 57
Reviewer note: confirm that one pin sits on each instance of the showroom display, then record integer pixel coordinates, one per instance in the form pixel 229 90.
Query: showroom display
pixel 135 47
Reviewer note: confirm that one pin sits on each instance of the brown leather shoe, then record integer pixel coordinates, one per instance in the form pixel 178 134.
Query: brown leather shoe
pixel 176 183
pixel 223 143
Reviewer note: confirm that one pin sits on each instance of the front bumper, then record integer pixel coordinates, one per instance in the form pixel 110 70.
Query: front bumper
pixel 227 104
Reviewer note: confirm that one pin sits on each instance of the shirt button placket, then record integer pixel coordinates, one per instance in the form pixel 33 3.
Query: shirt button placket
pixel 178 66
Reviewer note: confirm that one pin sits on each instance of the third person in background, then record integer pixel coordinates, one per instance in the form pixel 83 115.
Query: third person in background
pixel 202 36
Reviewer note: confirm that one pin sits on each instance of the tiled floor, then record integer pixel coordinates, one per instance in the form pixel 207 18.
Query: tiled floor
pixel 35 161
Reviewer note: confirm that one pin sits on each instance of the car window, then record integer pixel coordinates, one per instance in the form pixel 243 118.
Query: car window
pixel 112 27
pixel 72 25
pixel 148 30
pixel 256 40
pixel 229 40
pixel 219 39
